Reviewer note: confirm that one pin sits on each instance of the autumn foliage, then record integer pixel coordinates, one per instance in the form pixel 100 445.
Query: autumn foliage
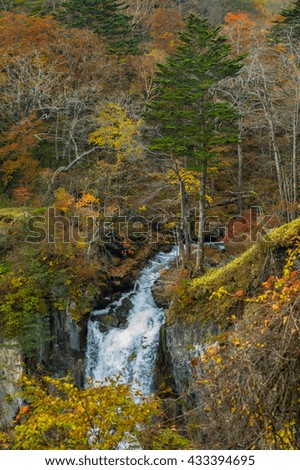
pixel 183 133
pixel 260 357
pixel 105 417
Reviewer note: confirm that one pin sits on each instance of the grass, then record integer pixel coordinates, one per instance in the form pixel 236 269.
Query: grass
pixel 10 214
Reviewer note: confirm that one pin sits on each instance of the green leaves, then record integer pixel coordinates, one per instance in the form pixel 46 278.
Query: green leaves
pixel 107 18
pixel 191 119
pixel 289 26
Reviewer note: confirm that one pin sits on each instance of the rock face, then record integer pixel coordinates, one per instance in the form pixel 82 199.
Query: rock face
pixel 184 345
pixel 66 352
pixel 159 294
pixel 11 371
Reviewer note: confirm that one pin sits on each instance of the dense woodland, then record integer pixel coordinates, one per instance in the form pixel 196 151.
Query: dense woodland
pixel 127 127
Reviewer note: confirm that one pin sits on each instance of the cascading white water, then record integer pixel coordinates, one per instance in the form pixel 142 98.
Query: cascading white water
pixel 130 352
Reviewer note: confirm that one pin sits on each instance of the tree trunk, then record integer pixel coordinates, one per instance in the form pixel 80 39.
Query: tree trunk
pixel 294 160
pixel 240 171
pixel 49 193
pixel 184 234
pixel 277 157
pixel 200 258
pixel 185 221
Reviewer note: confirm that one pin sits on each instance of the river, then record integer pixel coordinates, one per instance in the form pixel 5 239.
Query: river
pixel 130 353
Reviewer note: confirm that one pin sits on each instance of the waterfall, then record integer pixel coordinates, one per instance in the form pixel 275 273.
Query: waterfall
pixel 129 352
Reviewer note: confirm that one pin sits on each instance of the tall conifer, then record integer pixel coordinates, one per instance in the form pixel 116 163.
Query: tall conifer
pixel 107 18
pixel 192 122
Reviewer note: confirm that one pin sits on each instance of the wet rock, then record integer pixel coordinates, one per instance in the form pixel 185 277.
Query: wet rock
pixel 123 325
pixel 159 294
pixel 123 310
pixel 107 322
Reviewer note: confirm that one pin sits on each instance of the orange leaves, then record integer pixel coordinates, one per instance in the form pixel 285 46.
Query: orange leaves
pixel 16 151
pixel 239 20
pixel 22 411
pixel 239 293
pixel 269 282
pixel 194 361
pixel 28 32
pixel 165 23
pixel 21 195
pixel 283 290
pixel 239 29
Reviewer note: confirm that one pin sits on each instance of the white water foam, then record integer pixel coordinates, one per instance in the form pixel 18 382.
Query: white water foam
pixel 131 352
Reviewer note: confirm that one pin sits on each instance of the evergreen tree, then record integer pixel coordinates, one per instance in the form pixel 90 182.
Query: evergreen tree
pixel 192 123
pixel 107 18
pixel 289 25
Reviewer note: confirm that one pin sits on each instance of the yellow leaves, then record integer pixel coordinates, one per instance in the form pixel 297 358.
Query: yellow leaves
pixel 17 282
pixel 86 200
pixel 63 200
pixel 171 225
pixel 118 132
pixel 281 47
pixel 189 178
pixel 238 366
pixel 283 438
pixel 143 208
pixel 235 341
pixel 209 199
pixel 62 417
pixel 251 421
pixel 221 292
pixel 211 355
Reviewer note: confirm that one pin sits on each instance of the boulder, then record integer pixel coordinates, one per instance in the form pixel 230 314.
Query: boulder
pixel 107 322
pixel 122 311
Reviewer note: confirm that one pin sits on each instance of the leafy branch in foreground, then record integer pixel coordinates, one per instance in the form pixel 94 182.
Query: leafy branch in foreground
pixel 60 416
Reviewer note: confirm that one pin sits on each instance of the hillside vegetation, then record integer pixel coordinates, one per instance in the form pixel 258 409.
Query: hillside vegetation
pixel 126 128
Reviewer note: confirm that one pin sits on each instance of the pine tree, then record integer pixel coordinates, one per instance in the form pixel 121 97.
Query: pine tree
pixel 107 18
pixel 289 25
pixel 192 123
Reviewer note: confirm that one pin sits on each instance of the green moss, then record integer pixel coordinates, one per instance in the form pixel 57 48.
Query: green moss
pixel 242 274
pixel 19 213
pixel 282 236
